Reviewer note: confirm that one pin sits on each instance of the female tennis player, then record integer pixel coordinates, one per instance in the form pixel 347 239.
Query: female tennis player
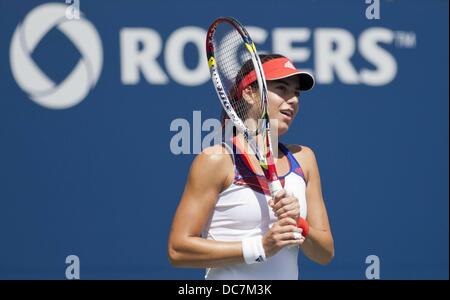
pixel 228 222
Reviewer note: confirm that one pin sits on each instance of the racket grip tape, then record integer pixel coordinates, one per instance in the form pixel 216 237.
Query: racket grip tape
pixel 274 187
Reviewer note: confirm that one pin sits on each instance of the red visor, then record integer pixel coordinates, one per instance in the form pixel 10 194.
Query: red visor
pixel 278 68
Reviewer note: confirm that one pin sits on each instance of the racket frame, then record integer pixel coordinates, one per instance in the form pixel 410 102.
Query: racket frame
pixel 266 160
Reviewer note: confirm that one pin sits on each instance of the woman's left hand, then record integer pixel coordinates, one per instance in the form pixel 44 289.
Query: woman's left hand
pixel 284 205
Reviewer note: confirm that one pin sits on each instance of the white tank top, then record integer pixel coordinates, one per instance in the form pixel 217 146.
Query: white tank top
pixel 242 211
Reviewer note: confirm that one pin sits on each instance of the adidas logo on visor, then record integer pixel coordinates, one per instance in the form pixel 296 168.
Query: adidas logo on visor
pixel 289 65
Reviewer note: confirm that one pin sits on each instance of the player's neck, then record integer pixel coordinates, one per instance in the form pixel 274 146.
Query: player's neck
pixel 243 146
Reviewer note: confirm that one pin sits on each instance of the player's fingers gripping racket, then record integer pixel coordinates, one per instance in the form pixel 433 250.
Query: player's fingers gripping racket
pixel 239 81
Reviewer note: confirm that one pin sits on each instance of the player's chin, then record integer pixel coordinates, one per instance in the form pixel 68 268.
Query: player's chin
pixel 282 130
pixel 281 127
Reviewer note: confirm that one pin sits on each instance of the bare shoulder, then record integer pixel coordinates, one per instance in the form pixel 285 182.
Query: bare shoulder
pixel 305 156
pixel 214 156
pixel 301 151
pixel 214 165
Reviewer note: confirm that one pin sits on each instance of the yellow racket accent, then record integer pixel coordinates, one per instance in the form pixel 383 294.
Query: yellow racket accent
pixel 251 47
pixel 211 62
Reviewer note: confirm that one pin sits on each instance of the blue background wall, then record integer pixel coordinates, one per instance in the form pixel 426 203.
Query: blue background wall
pixel 100 181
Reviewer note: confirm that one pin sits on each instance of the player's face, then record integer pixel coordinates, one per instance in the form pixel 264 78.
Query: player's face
pixel 283 102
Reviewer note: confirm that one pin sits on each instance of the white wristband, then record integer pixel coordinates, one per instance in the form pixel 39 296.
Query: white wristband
pixel 253 250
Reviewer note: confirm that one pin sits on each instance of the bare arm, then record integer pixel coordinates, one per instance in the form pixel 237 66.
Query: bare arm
pixel 207 177
pixel 319 245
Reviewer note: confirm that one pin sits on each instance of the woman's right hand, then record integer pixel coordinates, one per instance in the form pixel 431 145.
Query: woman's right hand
pixel 283 233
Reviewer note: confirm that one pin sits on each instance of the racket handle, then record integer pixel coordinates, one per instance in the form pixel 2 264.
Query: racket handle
pixel 274 187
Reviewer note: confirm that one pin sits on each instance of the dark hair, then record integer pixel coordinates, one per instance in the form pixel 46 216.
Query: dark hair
pixel 246 68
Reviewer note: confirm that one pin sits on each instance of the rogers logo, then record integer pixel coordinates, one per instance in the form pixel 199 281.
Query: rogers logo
pixel 145 56
pixel 40 88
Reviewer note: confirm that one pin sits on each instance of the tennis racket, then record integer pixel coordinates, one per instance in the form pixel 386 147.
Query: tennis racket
pixel 240 84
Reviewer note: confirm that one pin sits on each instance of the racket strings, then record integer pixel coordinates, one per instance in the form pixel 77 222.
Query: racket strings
pixel 234 63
